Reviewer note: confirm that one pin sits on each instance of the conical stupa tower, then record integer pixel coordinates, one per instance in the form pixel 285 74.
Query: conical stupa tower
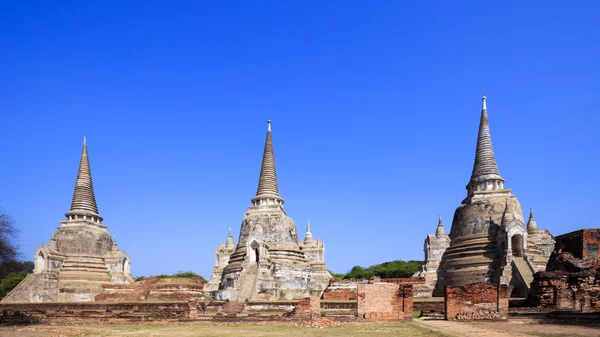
pixel 488 235
pixel 81 256
pixel 268 262
pixel 434 247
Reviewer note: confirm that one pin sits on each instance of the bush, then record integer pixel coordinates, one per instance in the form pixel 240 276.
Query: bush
pixel 10 282
pixel 393 269
pixel 182 274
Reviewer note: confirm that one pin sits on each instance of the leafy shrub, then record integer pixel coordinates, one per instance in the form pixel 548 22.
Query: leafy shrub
pixel 10 282
pixel 181 274
pixel 393 269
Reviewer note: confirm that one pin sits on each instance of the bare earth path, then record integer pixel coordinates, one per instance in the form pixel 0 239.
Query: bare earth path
pixel 510 328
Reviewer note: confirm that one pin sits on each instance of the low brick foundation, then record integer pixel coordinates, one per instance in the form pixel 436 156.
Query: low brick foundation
pixel 480 301
pixel 48 312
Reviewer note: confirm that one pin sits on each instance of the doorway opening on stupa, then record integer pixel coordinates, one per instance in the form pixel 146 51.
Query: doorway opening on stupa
pixel 40 262
pixel 255 248
pixel 516 242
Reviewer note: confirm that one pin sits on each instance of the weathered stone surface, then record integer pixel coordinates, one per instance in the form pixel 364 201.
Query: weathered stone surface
pixel 222 256
pixel 434 248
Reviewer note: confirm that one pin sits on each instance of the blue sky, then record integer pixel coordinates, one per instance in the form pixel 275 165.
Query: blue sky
pixel 375 109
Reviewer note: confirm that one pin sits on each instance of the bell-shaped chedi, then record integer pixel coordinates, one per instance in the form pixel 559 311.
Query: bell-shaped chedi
pixel 81 255
pixel 489 241
pixel 268 262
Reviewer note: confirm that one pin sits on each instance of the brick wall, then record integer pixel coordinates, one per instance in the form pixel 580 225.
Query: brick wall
pixel 381 300
pixel 582 244
pixel 476 301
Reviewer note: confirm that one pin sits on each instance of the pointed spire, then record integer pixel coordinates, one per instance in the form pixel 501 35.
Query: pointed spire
pixel 267 183
pixel 485 167
pixel 308 238
pixel 84 200
pixel 531 224
pixel 230 242
pixel 440 232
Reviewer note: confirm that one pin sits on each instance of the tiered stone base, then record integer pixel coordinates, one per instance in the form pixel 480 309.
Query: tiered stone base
pixel 81 277
pixel 469 259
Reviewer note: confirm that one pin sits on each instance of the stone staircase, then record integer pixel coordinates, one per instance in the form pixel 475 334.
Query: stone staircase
pixel 80 278
pixel 249 283
pixel 84 268
pixel 524 269
pixel 37 287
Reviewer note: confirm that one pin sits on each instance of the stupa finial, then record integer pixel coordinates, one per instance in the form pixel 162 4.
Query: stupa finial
pixel 83 204
pixel 485 167
pixel 308 238
pixel 531 224
pixel 439 232
pixel 268 189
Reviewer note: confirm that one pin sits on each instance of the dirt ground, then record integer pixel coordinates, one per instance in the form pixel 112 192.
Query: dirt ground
pixel 417 328
pixel 506 329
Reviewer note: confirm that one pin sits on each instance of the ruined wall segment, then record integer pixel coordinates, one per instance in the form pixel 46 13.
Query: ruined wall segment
pixel 385 301
pixel 572 278
pixel 81 254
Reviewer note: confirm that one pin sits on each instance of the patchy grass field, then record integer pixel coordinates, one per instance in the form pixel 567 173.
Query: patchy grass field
pixel 218 330
pixel 416 328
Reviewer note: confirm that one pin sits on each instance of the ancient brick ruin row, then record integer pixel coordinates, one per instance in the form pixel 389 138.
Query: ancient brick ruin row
pixel 489 255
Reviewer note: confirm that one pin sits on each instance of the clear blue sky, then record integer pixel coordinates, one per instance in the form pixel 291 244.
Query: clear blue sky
pixel 375 108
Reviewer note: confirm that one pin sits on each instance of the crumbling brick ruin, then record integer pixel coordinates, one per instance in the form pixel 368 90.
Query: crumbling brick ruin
pixel 481 301
pixel 81 256
pixel 572 279
pixel 308 308
pixel 342 290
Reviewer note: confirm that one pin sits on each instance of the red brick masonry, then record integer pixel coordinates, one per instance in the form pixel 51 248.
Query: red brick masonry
pixel 476 302
pixel 383 300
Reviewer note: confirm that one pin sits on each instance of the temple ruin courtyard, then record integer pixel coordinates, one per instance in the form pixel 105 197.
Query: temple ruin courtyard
pixel 418 327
